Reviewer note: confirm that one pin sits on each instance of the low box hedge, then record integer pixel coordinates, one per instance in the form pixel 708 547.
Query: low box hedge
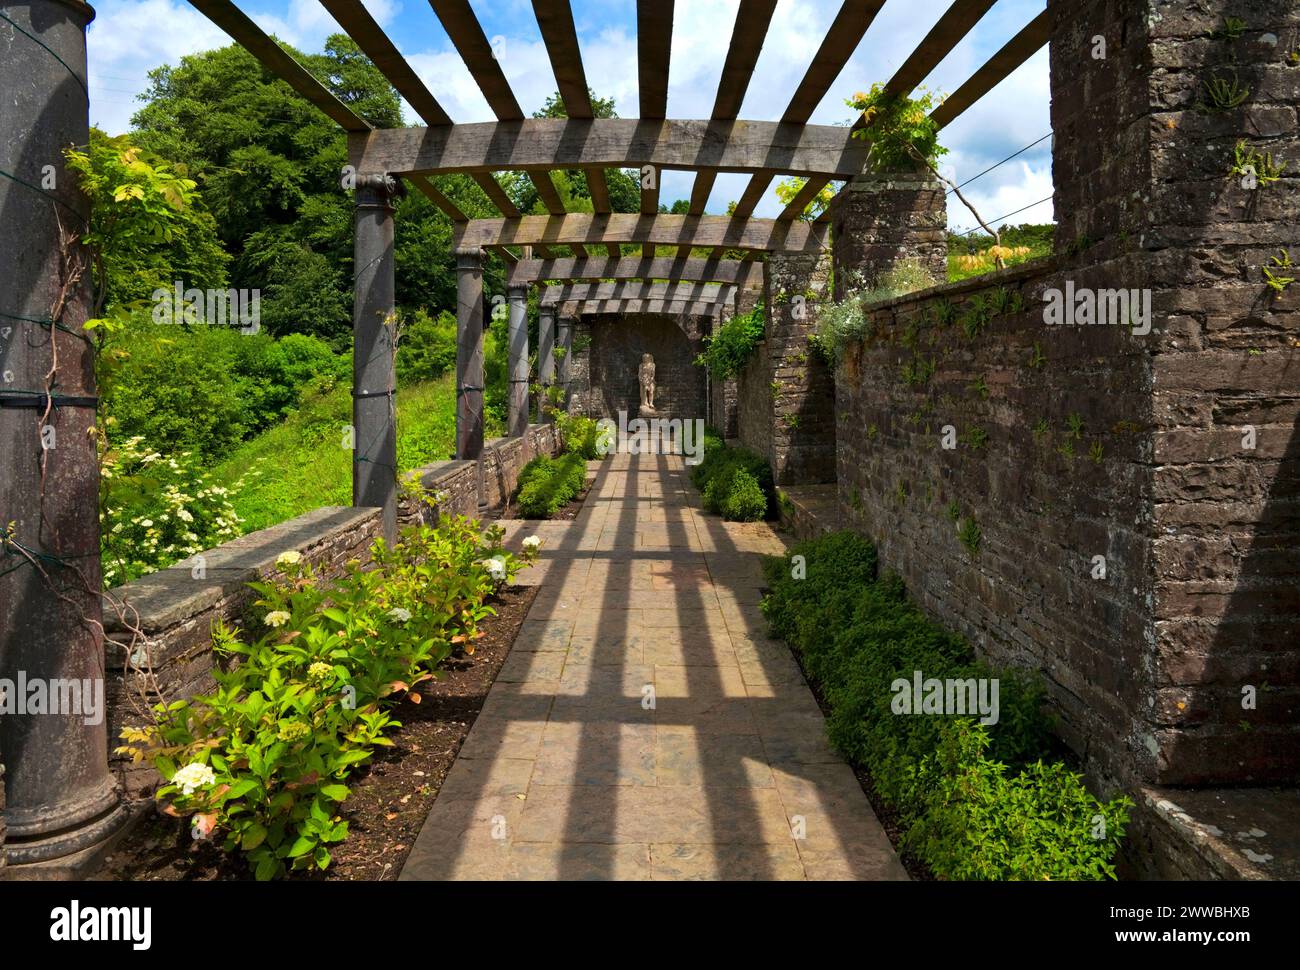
pixel 975 801
pixel 735 483
pixel 547 484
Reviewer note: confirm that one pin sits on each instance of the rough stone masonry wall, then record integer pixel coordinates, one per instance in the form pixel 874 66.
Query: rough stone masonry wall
pixel 466 485
pixel 1143 166
pixel 802 435
pixel 754 402
pixel 1042 502
pixel 617 342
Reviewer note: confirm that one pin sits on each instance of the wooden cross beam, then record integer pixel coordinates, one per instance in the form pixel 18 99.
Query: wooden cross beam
pixel 690 308
pixel 707 231
pixel 538 144
pixel 739 272
pixel 639 290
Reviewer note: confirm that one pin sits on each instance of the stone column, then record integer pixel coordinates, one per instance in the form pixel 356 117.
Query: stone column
pixel 802 445
pixel 545 356
pixel 469 354
pixel 60 800
pixel 374 380
pixel 565 353
pixel 1148 204
pixel 879 220
pixel 517 417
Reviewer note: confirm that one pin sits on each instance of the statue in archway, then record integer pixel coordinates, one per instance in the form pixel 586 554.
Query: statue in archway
pixel 646 376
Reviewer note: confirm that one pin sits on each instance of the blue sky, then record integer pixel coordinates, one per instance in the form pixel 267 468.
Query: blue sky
pixel 129 37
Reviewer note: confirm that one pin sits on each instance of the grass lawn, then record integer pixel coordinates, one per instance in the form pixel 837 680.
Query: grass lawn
pixel 301 464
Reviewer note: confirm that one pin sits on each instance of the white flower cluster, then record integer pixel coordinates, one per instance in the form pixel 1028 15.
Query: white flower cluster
pixel 496 569
pixel 193 777
pixel 532 543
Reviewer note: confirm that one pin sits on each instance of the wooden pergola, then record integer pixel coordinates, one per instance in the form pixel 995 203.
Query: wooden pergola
pixel 651 144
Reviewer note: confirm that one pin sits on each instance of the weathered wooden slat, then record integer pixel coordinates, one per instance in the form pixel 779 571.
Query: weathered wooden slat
pixel 638 290
pixel 747 36
pixel 670 307
pixel 666 230
pixel 654 36
pixel 637 268
pixel 794 209
pixel 427 187
pixel 841 41
pixel 956 22
pixel 466 33
pixel 251 37
pixel 996 69
pixel 374 43
pixel 540 144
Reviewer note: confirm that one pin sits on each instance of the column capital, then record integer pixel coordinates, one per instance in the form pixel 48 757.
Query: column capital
pixel 517 291
pixel 376 190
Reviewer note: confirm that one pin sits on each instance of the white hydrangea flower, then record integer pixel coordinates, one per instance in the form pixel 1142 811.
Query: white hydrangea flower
pixel 193 777
pixel 496 569
pixel 289 558
pixel 184 515
pixel 533 543
pixel 399 614
pixel 277 618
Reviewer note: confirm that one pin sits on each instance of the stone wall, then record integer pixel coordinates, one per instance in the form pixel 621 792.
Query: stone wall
pixel 175 609
pixel 467 486
pixel 754 402
pixel 617 342
pixel 802 449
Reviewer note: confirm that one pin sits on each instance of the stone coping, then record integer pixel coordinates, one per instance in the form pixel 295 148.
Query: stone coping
pixel 169 596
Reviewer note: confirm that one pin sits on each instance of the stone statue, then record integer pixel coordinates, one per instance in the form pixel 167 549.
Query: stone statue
pixel 646 375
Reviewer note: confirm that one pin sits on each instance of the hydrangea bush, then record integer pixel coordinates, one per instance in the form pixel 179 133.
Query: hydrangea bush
pixel 155 511
pixel 264 759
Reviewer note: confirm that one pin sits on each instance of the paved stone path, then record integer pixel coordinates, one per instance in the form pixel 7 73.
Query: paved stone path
pixel 643 726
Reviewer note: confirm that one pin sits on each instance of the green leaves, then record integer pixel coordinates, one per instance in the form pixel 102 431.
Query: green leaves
pixel 309 700
pixel 729 347
pixel 898 126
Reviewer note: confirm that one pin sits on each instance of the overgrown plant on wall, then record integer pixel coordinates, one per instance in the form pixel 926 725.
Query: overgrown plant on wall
pixel 842 322
pixel 729 347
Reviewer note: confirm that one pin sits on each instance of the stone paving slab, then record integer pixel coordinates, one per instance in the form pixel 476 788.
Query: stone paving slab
pixel 644 726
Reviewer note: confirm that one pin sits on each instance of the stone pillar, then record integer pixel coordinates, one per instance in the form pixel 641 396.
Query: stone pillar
pixel 565 353
pixel 880 220
pixel 469 354
pixel 60 800
pixel 374 380
pixel 545 356
pixel 517 415
pixel 802 444
pixel 1147 203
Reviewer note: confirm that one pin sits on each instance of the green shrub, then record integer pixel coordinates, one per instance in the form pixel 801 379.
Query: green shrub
pixel 744 500
pixel 980 810
pixel 728 348
pixel 546 484
pixel 427 348
pixel 733 480
pixel 581 435
pixel 156 510
pixel 264 758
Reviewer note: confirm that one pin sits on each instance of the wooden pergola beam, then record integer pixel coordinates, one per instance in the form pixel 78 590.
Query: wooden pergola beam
pixel 638 290
pixel 555 19
pixel 654 38
pixel 539 144
pixel 667 230
pixel 747 35
pixel 845 33
pixel 739 272
pixel 996 69
pixel 466 33
pixel 374 43
pixel 699 308
pixel 277 60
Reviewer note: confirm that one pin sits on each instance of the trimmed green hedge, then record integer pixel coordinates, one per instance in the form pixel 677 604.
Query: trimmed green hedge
pixel 546 484
pixel 736 483
pixel 975 801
